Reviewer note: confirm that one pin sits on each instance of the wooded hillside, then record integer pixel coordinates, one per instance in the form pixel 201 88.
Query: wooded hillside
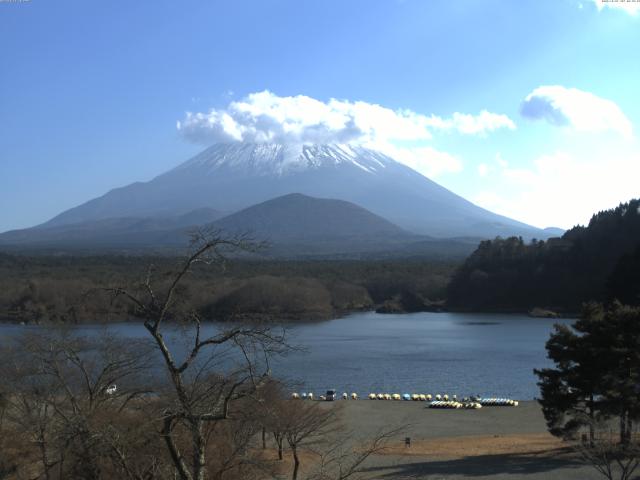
pixel 598 262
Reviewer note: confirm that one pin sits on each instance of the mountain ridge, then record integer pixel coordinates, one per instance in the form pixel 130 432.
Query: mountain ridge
pixel 293 225
pixel 296 216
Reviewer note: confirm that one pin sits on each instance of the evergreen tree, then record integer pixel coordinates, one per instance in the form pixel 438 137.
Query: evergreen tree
pixel 624 282
pixel 596 374
pixel 621 382
pixel 570 393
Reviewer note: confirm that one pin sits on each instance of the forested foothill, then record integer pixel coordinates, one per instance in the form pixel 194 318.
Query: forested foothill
pixel 70 289
pixel 599 262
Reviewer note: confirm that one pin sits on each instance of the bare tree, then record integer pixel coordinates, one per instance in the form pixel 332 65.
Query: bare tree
pixel 218 368
pixel 307 424
pixel 234 452
pixel 272 414
pixel 7 466
pixel 611 458
pixel 60 398
pixel 347 457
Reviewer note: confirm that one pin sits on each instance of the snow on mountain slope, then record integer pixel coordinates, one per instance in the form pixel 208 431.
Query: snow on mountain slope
pixel 281 160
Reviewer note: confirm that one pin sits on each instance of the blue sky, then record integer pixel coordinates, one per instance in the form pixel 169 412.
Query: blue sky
pixel 91 93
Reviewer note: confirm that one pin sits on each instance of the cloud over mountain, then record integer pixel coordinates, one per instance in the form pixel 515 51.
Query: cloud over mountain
pixel 266 117
pixel 426 160
pixel 583 111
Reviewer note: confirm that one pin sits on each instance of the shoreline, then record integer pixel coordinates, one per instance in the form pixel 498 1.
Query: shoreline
pixel 289 320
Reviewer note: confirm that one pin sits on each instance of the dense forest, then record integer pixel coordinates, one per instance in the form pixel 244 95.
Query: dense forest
pixel 598 262
pixel 70 289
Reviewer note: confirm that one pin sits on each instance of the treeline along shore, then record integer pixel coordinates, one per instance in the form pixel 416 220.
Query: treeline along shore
pixel 71 289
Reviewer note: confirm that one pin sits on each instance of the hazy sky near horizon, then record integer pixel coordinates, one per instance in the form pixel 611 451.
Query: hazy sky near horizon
pixel 530 109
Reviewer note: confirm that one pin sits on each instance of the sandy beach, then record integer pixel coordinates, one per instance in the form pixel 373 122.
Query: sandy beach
pixel 493 442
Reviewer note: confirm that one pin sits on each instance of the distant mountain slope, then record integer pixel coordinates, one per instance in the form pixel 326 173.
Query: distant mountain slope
pixel 230 177
pixel 116 232
pixel 294 225
pixel 598 262
pixel 554 231
pixel 297 217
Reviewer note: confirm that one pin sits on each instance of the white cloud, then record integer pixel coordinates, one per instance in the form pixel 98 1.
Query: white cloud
pixel 631 7
pixel 560 190
pixel 266 117
pixel 426 160
pixel 501 161
pixel 583 111
pixel 473 124
pixel 489 200
pixel 483 169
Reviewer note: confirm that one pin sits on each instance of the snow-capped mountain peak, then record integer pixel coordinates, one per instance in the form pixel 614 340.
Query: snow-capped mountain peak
pixel 278 159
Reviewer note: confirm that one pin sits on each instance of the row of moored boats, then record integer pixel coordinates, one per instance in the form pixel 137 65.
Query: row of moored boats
pixel 435 401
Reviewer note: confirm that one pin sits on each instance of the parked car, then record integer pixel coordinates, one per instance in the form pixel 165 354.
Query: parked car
pixel 331 395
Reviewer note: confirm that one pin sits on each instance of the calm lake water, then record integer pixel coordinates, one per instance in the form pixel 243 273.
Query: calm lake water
pixel 486 354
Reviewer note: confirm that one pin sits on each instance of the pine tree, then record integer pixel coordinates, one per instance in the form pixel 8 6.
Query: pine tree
pixel 570 392
pixel 596 374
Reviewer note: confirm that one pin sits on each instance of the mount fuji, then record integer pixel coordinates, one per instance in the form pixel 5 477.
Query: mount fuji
pixel 227 178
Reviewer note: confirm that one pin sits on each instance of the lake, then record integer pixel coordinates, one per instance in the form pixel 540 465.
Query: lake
pixel 465 354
